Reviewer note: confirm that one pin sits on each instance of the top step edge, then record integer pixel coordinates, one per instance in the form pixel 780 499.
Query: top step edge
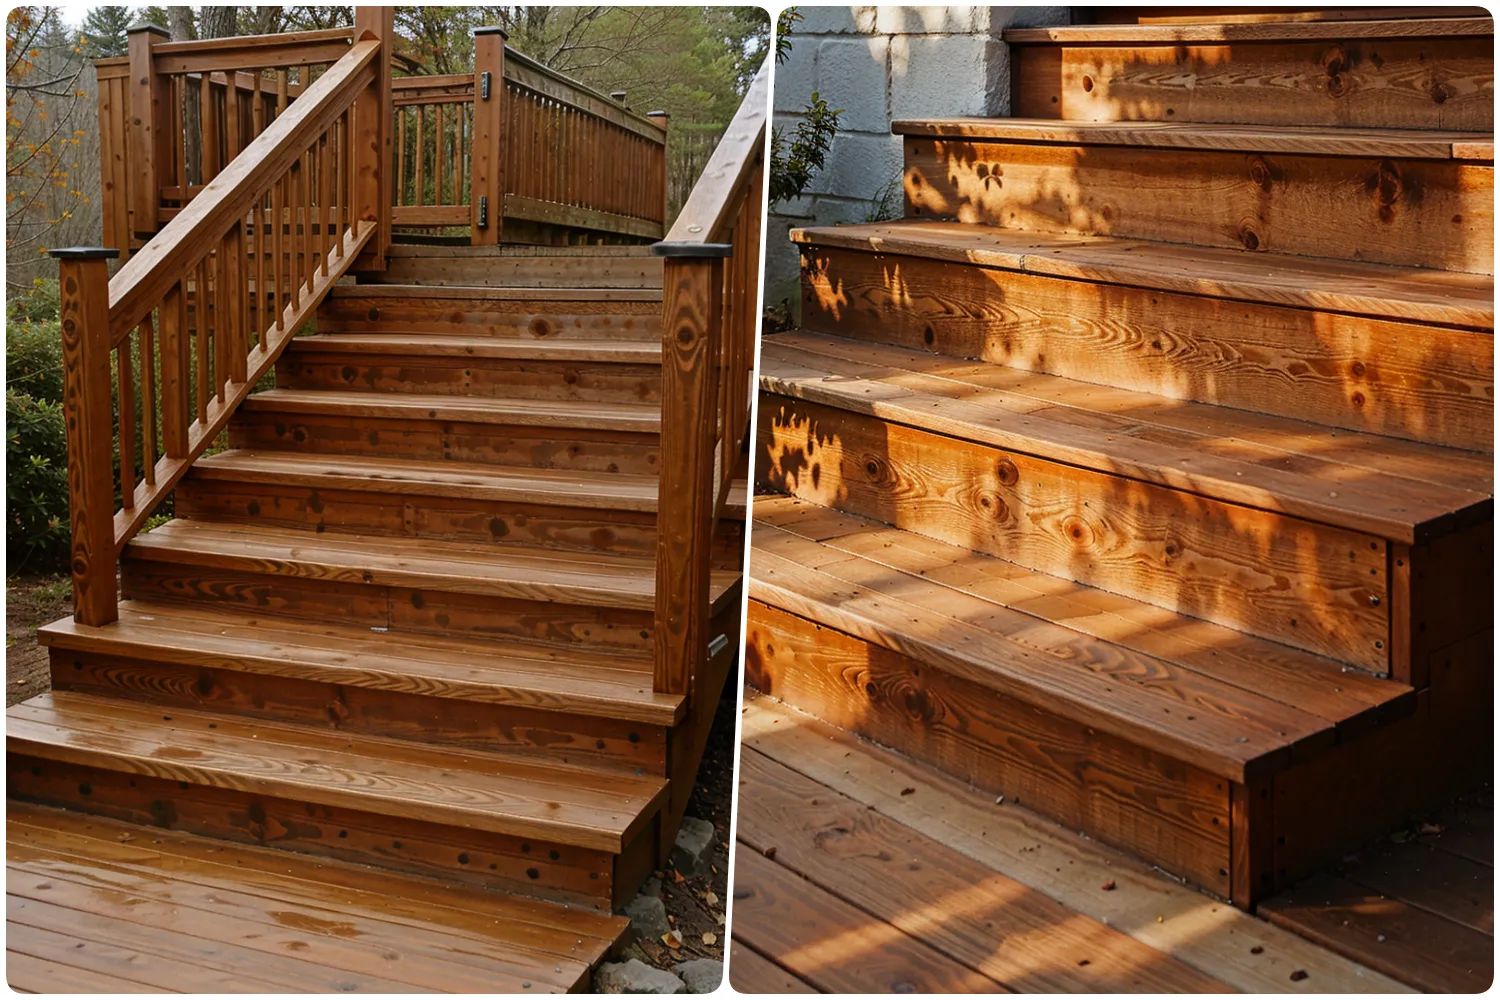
pixel 520 293
pixel 1446 298
pixel 1296 139
pixel 519 250
pixel 1278 31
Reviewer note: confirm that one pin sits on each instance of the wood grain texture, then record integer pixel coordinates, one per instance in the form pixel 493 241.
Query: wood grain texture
pixel 597 810
pixel 832 945
pixel 1436 74
pixel 1398 491
pixel 1450 298
pixel 634 319
pixel 1416 213
pixel 1142 801
pixel 1021 938
pixel 1422 383
pixel 1292 581
pixel 591 267
pixel 1177 920
pixel 750 973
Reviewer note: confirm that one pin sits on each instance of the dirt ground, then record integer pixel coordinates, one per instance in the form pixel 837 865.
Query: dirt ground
pixel 695 906
pixel 30 601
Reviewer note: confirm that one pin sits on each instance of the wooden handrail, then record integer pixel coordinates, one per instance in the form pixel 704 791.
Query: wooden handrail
pixel 144 279
pixel 708 213
pixel 299 48
pixel 210 302
pixel 710 301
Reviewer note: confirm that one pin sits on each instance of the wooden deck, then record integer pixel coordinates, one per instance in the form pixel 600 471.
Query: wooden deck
pixel 860 870
pixel 97 906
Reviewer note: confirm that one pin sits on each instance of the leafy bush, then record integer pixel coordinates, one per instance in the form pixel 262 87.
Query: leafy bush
pixel 794 161
pixel 36 485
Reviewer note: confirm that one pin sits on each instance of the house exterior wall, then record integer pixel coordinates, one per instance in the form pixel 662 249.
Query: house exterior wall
pixel 880 64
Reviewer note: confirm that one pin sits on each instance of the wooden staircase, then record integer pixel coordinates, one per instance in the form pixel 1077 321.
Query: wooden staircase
pixel 407 622
pixel 1142 474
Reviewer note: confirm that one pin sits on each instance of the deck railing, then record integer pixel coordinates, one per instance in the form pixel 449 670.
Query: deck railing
pixel 156 359
pixel 710 304
pixel 513 141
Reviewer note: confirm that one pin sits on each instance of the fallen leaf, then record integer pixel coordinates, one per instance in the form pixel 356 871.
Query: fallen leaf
pixel 672 939
pixel 710 898
pixel 1431 828
pixel 1299 975
pixel 1108 886
pixel 709 937
pixel 677 877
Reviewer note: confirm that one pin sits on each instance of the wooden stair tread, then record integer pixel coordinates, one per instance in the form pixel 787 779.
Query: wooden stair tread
pixel 568 804
pixel 512 571
pixel 1275 31
pixel 1309 139
pixel 130 886
pixel 1400 490
pixel 496 292
pixel 631 417
pixel 553 677
pixel 1452 298
pixel 611 491
pixel 427 345
pixel 1150 676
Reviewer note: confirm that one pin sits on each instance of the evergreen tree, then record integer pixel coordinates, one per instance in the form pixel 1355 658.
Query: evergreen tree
pixel 104 31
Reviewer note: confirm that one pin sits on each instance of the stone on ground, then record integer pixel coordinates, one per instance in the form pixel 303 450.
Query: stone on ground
pixel 635 976
pixel 701 975
pixel 693 852
pixel 648 916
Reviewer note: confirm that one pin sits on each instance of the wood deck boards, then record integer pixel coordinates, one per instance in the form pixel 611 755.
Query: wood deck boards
pixel 436 345
pixel 96 905
pixel 628 417
pixel 1418 906
pixel 1451 298
pixel 1137 926
pixel 1284 31
pixel 1398 490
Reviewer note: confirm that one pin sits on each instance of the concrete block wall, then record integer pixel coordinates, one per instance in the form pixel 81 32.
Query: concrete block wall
pixel 879 64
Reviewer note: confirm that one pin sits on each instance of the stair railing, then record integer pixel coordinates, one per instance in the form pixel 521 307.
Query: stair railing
pixel 710 307
pixel 156 359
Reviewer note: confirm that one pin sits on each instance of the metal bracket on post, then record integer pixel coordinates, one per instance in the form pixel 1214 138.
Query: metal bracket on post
pixel 484 211
pixel 484 85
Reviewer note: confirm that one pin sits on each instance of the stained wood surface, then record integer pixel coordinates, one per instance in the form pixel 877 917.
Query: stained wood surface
pixel 549 267
pixel 611 684
pixel 96 902
pixel 1190 717
pixel 749 972
pixel 1020 937
pixel 1415 73
pixel 1367 208
pixel 1394 378
pixel 1251 570
pixel 1179 922
pixel 534 575
pixel 1379 290
pixel 1213 452
pixel 860 549
pixel 625 314
pixel 1309 139
pixel 467 348
pixel 472 410
pixel 572 805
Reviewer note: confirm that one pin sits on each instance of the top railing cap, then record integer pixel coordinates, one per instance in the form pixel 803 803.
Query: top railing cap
pixel 493 29
pixel 158 29
pixel 691 249
pixel 83 253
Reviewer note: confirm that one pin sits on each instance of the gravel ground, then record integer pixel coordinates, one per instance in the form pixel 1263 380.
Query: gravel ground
pixel 30 601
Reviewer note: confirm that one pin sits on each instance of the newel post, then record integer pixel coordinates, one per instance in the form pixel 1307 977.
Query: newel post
pixel 150 137
pixel 83 286
pixel 373 112
pixel 692 316
pixel 487 169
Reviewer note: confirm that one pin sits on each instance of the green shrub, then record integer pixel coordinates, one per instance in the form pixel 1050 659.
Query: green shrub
pixel 36 487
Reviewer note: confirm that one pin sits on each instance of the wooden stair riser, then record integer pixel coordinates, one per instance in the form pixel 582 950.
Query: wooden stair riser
pixel 1164 810
pixel 524 320
pixel 1424 83
pixel 503 863
pixel 1445 596
pixel 1421 213
pixel 477 520
pixel 431 266
pixel 1415 381
pixel 528 447
pixel 1313 587
pixel 397 608
pixel 264 691
pixel 585 381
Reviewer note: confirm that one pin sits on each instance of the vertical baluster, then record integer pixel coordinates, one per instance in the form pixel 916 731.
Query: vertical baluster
pixel 420 153
pixel 294 255
pixel 208 114
pixel 174 371
pixel 309 194
pixel 401 157
pixel 221 314
pixel 200 338
pixel 278 249
pixel 458 156
pixel 239 306
pixel 325 179
pixel 281 89
pixel 437 166
pixel 179 138
pixel 340 197
pixel 232 134
pixel 257 105
pixel 127 423
pixel 147 337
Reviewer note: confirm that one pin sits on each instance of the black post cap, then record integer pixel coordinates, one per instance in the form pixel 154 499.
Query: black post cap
pixel 690 249
pixel 492 30
pixel 84 253
pixel 156 28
